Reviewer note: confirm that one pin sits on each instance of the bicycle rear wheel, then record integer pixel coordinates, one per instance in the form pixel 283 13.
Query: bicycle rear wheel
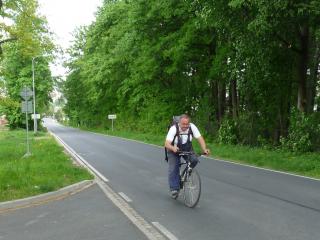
pixel 192 189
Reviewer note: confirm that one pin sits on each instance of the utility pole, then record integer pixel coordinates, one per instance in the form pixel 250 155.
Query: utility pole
pixel 34 99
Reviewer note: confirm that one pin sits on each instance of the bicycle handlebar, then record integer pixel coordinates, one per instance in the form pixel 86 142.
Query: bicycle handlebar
pixel 187 153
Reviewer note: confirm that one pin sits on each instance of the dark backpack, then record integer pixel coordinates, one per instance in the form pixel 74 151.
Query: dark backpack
pixel 175 122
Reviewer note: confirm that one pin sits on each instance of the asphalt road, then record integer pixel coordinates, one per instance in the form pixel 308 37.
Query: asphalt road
pixel 237 202
pixel 86 215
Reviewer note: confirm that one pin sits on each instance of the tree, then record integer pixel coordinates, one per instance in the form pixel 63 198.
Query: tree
pixel 32 40
pixel 236 63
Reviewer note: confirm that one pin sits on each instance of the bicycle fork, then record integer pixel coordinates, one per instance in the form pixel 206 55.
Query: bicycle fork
pixel 186 173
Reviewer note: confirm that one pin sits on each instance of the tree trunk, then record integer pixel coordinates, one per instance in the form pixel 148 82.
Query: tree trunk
pixel 234 99
pixel 284 116
pixel 221 100
pixel 215 100
pixel 303 63
pixel 312 83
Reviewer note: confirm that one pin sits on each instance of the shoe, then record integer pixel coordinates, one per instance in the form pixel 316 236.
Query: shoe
pixel 174 194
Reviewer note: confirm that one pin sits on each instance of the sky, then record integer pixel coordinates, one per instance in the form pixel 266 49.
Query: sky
pixel 64 16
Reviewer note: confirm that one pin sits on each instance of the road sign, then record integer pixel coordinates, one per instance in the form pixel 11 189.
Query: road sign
pixel 112 116
pixel 26 93
pixel 26 107
pixel 37 116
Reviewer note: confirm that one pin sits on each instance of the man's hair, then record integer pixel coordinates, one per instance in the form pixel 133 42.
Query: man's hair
pixel 185 116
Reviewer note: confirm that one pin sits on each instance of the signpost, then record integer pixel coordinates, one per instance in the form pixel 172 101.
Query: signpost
pixel 26 93
pixel 26 107
pixel 112 117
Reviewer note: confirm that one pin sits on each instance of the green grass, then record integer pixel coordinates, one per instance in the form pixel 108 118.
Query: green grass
pixel 301 164
pixel 47 169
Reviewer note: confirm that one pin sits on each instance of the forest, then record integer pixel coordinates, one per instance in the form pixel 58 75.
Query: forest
pixel 247 71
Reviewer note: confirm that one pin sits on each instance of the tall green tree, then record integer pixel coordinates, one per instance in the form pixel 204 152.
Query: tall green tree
pixel 239 67
pixel 32 41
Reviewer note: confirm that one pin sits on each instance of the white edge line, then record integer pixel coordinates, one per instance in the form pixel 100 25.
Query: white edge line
pixel 265 169
pixel 164 231
pixel 220 160
pixel 73 152
pixel 94 170
pixel 137 220
pixel 125 197
pixel 151 232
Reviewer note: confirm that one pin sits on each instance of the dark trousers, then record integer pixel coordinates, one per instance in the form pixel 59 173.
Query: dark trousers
pixel 173 169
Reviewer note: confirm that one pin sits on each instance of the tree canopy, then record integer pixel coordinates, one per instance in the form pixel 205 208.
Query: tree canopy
pixel 25 39
pixel 246 71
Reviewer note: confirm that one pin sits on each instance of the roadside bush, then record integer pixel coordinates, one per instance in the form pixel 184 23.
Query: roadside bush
pixel 248 126
pixel 304 133
pixel 263 142
pixel 12 110
pixel 227 132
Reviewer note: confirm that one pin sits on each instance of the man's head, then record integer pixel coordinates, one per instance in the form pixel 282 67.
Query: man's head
pixel 184 122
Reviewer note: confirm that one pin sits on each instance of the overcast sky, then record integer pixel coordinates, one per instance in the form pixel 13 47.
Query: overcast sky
pixel 64 16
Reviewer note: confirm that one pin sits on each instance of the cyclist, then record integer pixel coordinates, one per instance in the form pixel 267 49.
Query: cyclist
pixel 179 138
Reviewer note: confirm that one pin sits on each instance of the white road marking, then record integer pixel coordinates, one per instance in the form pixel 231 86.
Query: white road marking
pixel 216 159
pixel 80 159
pixel 31 222
pixel 125 197
pixel 150 232
pixel 265 169
pixel 164 231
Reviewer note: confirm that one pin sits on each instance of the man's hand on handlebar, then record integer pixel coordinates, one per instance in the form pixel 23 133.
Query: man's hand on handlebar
pixel 175 149
pixel 206 152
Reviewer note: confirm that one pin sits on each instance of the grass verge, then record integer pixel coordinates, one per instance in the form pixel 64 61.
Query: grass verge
pixel 302 164
pixel 47 169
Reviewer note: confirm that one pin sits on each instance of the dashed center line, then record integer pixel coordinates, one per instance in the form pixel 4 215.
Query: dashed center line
pixel 125 197
pixel 120 200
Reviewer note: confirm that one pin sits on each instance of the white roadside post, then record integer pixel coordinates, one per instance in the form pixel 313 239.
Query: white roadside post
pixel 112 117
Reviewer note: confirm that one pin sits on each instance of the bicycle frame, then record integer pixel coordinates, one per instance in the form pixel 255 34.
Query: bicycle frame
pixel 188 168
pixel 191 189
pixel 186 157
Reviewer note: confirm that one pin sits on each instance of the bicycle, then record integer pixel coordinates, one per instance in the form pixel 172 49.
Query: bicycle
pixel 190 182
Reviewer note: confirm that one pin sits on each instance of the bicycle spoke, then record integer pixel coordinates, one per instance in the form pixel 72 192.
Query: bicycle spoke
pixel 192 189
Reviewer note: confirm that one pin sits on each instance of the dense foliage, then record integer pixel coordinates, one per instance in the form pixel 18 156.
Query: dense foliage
pixel 25 40
pixel 246 71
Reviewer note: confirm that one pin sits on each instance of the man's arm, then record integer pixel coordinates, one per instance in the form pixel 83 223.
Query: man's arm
pixel 203 146
pixel 170 147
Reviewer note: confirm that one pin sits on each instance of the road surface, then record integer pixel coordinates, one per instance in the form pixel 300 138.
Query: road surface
pixel 237 202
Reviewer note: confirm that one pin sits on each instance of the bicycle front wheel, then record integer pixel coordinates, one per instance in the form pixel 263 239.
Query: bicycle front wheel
pixel 192 189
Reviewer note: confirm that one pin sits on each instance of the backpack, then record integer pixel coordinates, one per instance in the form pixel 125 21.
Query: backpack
pixel 175 122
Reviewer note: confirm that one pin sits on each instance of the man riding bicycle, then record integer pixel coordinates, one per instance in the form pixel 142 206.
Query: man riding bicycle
pixel 179 138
